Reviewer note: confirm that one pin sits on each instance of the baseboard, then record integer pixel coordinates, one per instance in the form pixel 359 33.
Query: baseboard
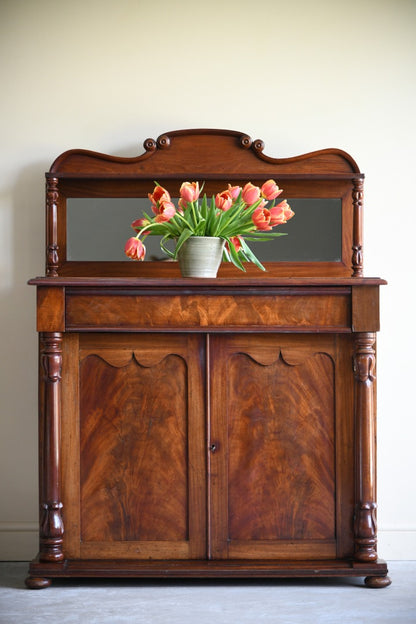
pixel 19 542
pixel 397 544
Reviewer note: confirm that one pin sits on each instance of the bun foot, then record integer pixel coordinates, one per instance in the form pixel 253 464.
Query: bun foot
pixel 37 582
pixel 377 582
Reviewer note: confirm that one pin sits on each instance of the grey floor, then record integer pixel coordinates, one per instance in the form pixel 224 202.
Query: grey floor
pixel 214 602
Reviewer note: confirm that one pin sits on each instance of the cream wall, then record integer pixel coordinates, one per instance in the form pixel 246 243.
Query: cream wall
pixel 300 75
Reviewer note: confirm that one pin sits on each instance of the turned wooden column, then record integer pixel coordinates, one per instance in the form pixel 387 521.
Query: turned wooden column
pixel 357 246
pixel 365 529
pixel 51 525
pixel 52 248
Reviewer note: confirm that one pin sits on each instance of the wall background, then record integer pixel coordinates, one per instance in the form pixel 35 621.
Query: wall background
pixel 300 75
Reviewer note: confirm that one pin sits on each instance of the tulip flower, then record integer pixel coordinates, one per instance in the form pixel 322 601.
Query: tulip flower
pixel 281 213
pixel 189 191
pixel 236 242
pixel 270 190
pixel 181 205
pixel 223 201
pixel 261 219
pixel 135 249
pixel 158 196
pixel 139 224
pixel 250 194
pixel 234 191
pixel 166 211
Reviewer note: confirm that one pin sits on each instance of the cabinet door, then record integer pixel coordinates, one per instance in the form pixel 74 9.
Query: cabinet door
pixel 281 435
pixel 135 458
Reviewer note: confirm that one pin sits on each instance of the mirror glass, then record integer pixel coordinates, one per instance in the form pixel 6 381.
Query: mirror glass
pixel 97 229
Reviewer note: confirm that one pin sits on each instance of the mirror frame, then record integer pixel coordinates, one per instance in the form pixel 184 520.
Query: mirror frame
pixel 217 157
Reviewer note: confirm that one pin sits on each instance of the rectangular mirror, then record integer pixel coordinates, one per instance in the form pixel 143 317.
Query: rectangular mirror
pixel 97 229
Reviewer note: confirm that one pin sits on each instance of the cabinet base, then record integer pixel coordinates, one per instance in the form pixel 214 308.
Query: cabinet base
pixel 41 573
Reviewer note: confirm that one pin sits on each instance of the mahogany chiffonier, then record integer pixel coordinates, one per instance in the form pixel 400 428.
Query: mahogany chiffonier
pixel 206 427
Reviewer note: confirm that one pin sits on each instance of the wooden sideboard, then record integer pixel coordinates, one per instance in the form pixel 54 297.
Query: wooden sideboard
pixel 206 427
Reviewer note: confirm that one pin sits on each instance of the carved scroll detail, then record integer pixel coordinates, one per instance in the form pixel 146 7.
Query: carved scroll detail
pixel 365 526
pixel 163 141
pixel 245 141
pixel 51 524
pixel 258 145
pixel 52 249
pixel 289 356
pixel 150 145
pixel 357 245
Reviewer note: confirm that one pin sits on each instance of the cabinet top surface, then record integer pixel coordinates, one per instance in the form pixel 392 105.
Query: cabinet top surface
pixel 210 284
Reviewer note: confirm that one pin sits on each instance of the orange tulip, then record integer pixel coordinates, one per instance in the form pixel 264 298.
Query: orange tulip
pixel 261 219
pixel 236 242
pixel 250 194
pixel 189 191
pixel 166 211
pixel 281 213
pixel 159 195
pixel 135 249
pixel 223 201
pixel 270 190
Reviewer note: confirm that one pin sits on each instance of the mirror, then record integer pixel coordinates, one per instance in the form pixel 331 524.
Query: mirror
pixel 97 229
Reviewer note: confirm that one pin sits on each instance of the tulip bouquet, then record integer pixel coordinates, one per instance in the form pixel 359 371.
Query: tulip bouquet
pixel 236 215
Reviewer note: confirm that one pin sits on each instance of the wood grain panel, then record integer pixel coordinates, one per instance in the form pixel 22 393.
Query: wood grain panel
pixel 50 309
pixel 273 430
pixel 197 311
pixel 133 420
pixel 281 449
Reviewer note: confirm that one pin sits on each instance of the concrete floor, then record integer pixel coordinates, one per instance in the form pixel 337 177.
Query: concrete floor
pixel 208 602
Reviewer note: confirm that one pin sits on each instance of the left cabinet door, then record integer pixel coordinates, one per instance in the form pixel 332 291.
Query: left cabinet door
pixel 133 446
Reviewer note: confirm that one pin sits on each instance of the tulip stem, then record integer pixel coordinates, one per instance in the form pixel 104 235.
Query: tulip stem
pixel 178 214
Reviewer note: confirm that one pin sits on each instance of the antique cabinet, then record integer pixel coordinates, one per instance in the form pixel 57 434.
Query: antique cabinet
pixel 206 427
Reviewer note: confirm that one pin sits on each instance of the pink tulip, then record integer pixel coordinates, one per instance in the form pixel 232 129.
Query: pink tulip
pixel 135 249
pixel 270 190
pixel 166 211
pixel 181 205
pixel 250 194
pixel 189 191
pixel 223 201
pixel 139 224
pixel 234 191
pixel 280 213
pixel 261 219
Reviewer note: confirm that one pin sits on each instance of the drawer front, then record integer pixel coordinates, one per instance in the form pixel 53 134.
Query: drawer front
pixel 119 312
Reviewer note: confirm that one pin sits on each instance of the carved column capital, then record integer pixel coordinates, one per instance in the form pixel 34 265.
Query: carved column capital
pixel 364 358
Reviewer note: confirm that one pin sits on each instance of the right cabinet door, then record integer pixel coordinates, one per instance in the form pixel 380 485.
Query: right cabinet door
pixel 281 447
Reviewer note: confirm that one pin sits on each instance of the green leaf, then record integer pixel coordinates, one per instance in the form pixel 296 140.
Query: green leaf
pixel 250 255
pixel 234 256
pixel 259 236
pixel 182 238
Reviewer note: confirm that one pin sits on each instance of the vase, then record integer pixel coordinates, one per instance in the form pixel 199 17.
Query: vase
pixel 200 256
